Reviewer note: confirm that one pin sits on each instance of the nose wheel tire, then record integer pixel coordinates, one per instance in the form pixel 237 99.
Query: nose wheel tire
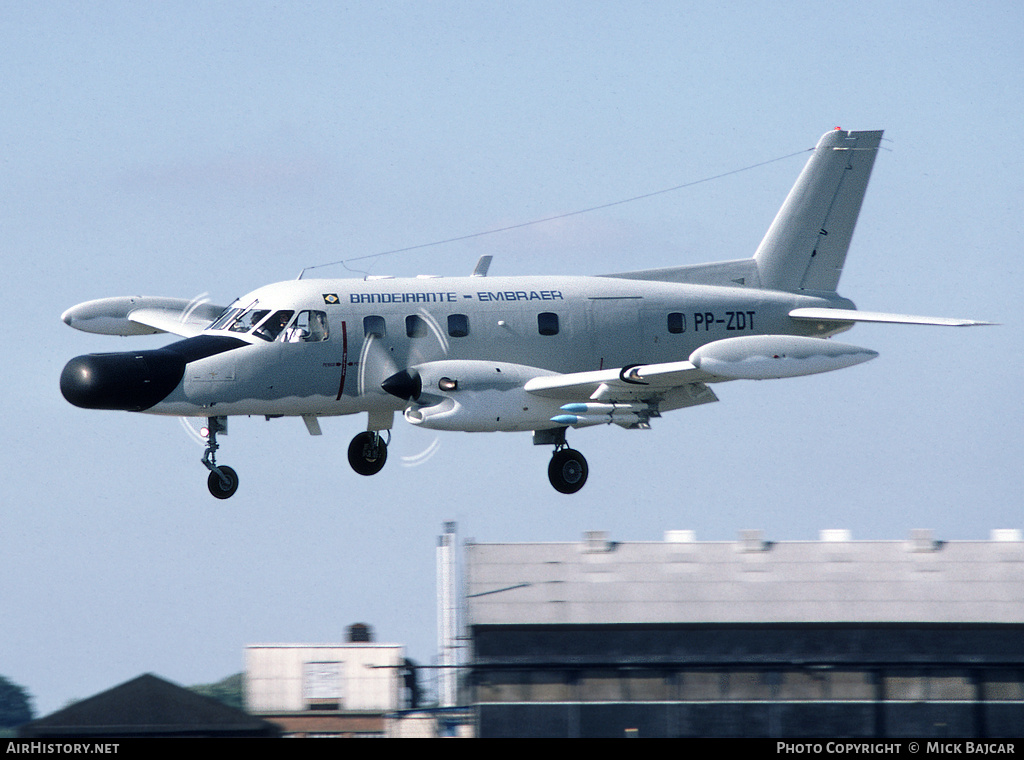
pixel 567 471
pixel 367 453
pixel 223 482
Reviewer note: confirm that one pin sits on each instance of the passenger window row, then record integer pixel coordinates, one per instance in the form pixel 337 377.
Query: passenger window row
pixel 416 326
pixel 311 326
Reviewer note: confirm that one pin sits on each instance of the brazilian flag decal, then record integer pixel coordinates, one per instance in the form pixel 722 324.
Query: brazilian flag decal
pixel 331 298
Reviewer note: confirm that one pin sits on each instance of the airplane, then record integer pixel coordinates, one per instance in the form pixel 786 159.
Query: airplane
pixel 518 354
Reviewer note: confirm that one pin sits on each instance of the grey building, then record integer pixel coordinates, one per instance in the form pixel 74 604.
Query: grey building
pixel 834 637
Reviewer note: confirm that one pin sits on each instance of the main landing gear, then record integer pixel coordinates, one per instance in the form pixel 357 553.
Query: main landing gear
pixel 567 470
pixel 223 481
pixel 368 452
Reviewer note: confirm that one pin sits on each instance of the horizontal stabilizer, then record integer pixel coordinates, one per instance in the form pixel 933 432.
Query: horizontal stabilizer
pixel 853 315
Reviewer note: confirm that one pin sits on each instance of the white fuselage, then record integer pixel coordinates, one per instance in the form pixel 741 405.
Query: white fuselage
pixel 558 324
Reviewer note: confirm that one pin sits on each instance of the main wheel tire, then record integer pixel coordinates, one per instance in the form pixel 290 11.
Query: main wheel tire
pixel 367 453
pixel 217 486
pixel 567 471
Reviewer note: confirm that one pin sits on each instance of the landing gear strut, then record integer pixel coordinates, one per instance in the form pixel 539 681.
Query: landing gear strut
pixel 368 452
pixel 223 481
pixel 568 470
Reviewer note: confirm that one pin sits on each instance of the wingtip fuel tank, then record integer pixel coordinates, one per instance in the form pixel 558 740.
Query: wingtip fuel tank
pixel 768 357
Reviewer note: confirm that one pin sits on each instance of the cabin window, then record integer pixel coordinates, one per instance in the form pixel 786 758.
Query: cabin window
pixel 458 325
pixel 374 327
pixel 415 326
pixel 547 323
pixel 270 329
pixel 308 327
pixel 248 320
pixel 676 322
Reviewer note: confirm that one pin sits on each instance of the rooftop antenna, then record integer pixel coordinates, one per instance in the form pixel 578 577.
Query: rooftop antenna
pixel 447 619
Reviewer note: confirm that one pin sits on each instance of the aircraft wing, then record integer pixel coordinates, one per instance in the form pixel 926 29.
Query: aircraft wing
pixel 670 385
pixel 674 385
pixel 142 315
pixel 853 315
pixel 638 380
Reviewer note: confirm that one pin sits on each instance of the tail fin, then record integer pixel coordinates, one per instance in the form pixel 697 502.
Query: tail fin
pixel 805 247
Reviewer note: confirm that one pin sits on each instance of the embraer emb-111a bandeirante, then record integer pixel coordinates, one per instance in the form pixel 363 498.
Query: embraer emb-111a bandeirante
pixel 478 353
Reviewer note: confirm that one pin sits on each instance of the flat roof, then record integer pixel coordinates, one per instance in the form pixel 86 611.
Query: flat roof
pixel 750 580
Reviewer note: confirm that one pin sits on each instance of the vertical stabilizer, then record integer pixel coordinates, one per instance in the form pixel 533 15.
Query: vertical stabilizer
pixel 805 247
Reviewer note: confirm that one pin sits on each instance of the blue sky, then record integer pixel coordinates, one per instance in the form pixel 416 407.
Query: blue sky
pixel 184 148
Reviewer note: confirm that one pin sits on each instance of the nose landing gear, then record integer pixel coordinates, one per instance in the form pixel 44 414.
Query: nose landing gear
pixel 368 452
pixel 223 481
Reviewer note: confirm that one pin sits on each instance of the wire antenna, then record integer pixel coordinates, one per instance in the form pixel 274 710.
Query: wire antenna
pixel 345 262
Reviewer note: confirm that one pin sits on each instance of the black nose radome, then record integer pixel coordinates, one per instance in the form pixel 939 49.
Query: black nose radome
pixel 136 380
pixel 133 380
pixel 406 384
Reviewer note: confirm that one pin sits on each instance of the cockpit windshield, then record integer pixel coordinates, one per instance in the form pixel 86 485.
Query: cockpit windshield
pixel 307 327
pixel 248 320
pixel 225 318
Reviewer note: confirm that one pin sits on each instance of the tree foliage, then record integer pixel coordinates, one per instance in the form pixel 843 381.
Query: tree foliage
pixel 229 691
pixel 15 704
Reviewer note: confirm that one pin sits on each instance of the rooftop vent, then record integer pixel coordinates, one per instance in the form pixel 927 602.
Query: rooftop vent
pixel 680 536
pixel 752 541
pixel 835 535
pixel 360 633
pixel 596 541
pixel 922 540
pixel 1005 534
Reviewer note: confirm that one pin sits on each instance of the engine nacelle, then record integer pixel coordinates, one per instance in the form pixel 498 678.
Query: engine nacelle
pixel 472 396
pixel 766 357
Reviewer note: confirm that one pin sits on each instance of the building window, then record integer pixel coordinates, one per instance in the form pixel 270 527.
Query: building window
pixel 1004 686
pixel 702 686
pixel 928 686
pixel 458 325
pixel 753 686
pixel 323 685
pixel 547 323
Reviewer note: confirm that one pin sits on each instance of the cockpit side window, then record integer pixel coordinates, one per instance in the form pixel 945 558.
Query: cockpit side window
pixel 273 326
pixel 308 327
pixel 248 320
